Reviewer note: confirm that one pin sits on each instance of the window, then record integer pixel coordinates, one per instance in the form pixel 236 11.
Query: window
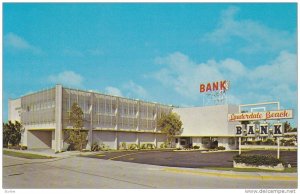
pixel 182 141
pixel 205 140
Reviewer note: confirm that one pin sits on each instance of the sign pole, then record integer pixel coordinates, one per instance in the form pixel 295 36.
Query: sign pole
pixel 240 150
pixel 278 148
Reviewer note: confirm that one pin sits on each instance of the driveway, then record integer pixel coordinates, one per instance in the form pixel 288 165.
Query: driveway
pixel 194 159
pixel 81 172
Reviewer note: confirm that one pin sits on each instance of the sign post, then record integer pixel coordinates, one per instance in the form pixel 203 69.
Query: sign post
pixel 240 143
pixel 263 128
pixel 278 148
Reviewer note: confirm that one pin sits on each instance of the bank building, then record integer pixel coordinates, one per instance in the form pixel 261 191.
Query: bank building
pixel 112 120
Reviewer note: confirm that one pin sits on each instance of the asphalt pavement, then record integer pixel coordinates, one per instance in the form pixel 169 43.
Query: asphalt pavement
pixel 190 159
pixel 82 172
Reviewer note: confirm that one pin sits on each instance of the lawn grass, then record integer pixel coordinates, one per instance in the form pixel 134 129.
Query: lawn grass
pixel 25 155
pixel 286 170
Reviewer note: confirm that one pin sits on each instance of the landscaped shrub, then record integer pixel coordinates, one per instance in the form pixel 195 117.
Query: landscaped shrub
pixel 132 146
pixel 221 148
pixel 196 147
pixel 258 142
pixel 289 142
pixel 150 146
pixel 249 142
pixel 95 147
pixel 163 145
pixel 103 147
pixel 143 146
pixel 16 147
pixel 23 147
pixel 269 142
pixel 123 146
pixel 294 130
pixel 257 160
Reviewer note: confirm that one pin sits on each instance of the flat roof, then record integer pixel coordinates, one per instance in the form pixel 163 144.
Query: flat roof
pixel 96 92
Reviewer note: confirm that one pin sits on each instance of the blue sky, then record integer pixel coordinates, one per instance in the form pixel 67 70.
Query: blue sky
pixel 156 52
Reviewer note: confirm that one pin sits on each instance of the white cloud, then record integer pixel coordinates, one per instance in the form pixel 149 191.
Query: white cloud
pixel 281 70
pixel 233 67
pixel 113 91
pixel 254 36
pixel 276 80
pixel 185 75
pixel 134 90
pixel 16 42
pixel 67 78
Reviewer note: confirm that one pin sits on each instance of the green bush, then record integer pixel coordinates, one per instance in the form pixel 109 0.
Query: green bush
pixel 132 146
pixel 289 142
pixel 103 147
pixel 249 142
pixel 150 146
pixel 257 160
pixel 23 147
pixel 95 147
pixel 269 142
pixel 11 133
pixel 196 147
pixel 147 146
pixel 143 146
pixel 258 142
pixel 16 147
pixel 123 146
pixel 163 145
pixel 221 148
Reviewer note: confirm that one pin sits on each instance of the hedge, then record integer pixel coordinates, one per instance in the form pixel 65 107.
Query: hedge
pixel 257 160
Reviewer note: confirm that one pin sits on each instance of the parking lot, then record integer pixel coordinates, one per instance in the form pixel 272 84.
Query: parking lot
pixel 83 172
pixel 190 159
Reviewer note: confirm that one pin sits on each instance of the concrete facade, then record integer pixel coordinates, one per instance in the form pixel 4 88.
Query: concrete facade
pixel 112 120
pixel 204 125
pixel 108 120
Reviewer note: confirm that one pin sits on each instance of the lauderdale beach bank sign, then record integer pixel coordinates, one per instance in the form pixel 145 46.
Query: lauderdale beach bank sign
pixel 263 128
pixel 268 115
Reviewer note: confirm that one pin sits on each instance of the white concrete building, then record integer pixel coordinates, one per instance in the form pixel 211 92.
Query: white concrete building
pixel 204 126
pixel 111 120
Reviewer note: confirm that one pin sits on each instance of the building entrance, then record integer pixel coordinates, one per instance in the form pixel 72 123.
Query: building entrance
pixel 186 142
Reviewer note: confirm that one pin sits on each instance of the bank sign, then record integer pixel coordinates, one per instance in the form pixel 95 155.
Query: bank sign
pixel 214 86
pixel 268 115
pixel 262 130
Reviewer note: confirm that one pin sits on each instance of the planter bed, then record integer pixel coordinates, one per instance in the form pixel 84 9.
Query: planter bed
pixel 279 166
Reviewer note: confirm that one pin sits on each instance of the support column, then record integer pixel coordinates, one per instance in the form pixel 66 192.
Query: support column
pixel 90 133
pixel 155 140
pixel 58 119
pixel 240 143
pixel 278 148
pixel 117 113
pixel 138 117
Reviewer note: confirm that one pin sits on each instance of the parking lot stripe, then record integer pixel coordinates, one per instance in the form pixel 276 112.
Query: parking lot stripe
pixel 227 175
pixel 122 156
pixel 129 155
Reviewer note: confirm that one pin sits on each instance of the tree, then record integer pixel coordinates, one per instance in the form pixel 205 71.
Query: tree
pixel 287 127
pixel 12 133
pixel 171 125
pixel 76 136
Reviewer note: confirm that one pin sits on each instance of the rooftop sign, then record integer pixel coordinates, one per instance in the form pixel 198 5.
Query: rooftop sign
pixel 268 115
pixel 214 86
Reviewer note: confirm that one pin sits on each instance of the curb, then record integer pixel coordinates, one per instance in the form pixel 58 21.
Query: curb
pixel 233 175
